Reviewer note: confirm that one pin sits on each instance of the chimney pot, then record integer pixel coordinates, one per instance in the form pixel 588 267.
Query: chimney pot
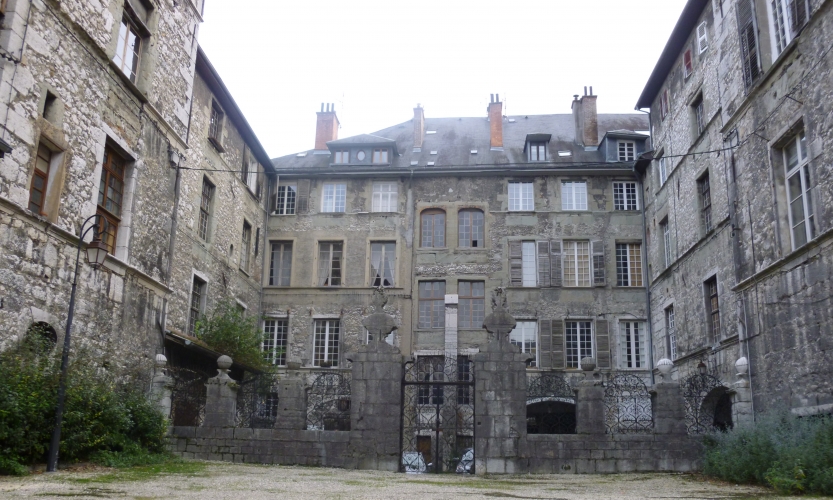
pixel 591 90
pixel 585 90
pixel 575 97
pixel 497 97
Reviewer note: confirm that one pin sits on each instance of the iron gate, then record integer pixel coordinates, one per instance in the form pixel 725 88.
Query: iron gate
pixel 257 401
pixel 437 414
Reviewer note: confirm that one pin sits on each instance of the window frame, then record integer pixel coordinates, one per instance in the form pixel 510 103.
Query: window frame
pixel 215 125
pixel 283 202
pixel 568 246
pixel 341 156
pixel 663 170
pixel 109 221
pixel 42 176
pixel 245 247
pixel 128 26
pixel 624 200
pixel 704 192
pixel 629 265
pixel 573 206
pixel 470 316
pixel 579 348
pixel 522 198
pixel 628 155
pixel 670 328
pixel 467 240
pixel 338 198
pixel 782 34
pixel 432 214
pixel 524 343
pixel 666 238
pixel 634 353
pixel 329 350
pixel 712 296
pixel 196 305
pixel 802 171
pixel 698 109
pixel 702 37
pixel 282 275
pixel 327 279
pixel 206 199
pixel 663 104
pixel 436 311
pixel 278 340
pixel 381 156
pixel 688 64
pixel 375 279
pixel 538 147
pixel 385 196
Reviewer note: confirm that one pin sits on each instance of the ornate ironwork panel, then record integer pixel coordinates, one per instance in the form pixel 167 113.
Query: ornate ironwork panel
pixel 437 413
pixel 257 401
pixel 627 404
pixel 550 405
pixel 188 396
pixel 328 402
pixel 702 393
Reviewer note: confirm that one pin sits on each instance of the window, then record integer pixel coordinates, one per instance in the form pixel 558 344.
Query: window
pixel 110 191
pixel 325 349
pixel 688 67
pixel 248 174
pixel 576 263
pixel 520 197
pixel 628 264
pixel 537 151
pixel 472 304
pixel 246 247
pixel 573 195
pixel 342 157
pixel 535 263
pixel 470 225
pixel 197 303
pixel 205 208
pixel 285 200
pixel 431 368
pixel 666 241
pixel 705 202
pixel 627 150
pixel 530 272
pixel 633 348
pixel 361 155
pixel 433 229
pixel 274 341
pixel 382 264
pixel 624 196
pixel 671 331
pixel 329 263
pixel 787 17
pixel 432 304
pixel 280 265
pixel 713 308
pixel 525 336
pixel 334 198
pixel 699 115
pixel 464 392
pixel 702 37
pixel 663 171
pixel 128 49
pixel 802 218
pixel 385 197
pixel 578 336
pixel 748 33
pixel 215 126
pixel 663 104
pixel 40 180
pixel 380 156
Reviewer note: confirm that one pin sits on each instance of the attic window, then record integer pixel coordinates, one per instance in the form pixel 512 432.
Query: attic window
pixel 429 132
pixel 537 151
pixel 565 153
pixel 474 151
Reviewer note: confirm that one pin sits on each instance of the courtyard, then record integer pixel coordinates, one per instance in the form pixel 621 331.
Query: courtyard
pixel 212 480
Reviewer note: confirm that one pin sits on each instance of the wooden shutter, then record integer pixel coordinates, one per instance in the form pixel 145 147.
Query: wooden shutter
pixel 545 343
pixel 798 15
pixel 748 42
pixel 555 263
pixel 516 263
pixel 597 248
pixel 543 263
pixel 303 196
pixel 557 329
pixel 702 37
pixel 602 344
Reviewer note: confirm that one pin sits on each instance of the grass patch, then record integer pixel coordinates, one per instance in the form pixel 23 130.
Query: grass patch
pixel 144 472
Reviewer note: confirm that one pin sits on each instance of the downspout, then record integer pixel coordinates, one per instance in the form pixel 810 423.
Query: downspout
pixel 265 238
pixel 650 327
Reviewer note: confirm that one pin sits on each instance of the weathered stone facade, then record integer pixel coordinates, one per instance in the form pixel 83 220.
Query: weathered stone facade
pixel 727 115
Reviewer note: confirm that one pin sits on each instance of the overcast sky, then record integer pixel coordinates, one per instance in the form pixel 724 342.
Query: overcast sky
pixel 377 59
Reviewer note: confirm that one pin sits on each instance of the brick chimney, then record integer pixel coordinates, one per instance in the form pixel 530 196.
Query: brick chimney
pixel 326 129
pixel 419 126
pixel 586 119
pixel 495 122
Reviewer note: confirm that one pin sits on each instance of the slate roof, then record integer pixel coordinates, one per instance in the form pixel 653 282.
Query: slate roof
pixel 455 138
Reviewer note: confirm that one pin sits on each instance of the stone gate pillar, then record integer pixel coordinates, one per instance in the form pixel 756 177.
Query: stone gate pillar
pixel 221 397
pixel 162 386
pixel 590 404
pixel 499 397
pixel 292 402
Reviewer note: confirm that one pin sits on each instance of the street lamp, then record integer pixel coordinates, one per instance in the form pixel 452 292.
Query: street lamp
pixel 96 253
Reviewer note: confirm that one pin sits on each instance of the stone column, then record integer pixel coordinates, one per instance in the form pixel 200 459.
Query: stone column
pixel 451 342
pixel 590 404
pixel 741 394
pixel 161 386
pixel 292 405
pixel 669 408
pixel 500 398
pixel 221 397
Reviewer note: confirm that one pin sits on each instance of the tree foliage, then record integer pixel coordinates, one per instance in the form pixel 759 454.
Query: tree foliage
pixel 229 331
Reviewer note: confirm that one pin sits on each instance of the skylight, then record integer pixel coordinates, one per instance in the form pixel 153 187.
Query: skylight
pixel 414 162
pixel 430 163
pixel 434 152
pixel 565 153
pixel 429 132
pixel 301 155
pixel 474 151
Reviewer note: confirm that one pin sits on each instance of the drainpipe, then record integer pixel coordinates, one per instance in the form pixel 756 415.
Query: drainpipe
pixel 639 182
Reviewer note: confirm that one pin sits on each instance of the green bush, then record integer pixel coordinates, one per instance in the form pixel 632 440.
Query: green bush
pixel 228 331
pixel 781 450
pixel 103 412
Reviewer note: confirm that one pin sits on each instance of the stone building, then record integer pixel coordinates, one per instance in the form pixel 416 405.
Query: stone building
pixel 738 199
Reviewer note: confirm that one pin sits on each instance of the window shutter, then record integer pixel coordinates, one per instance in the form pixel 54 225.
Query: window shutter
pixel 555 263
pixel 516 263
pixel 303 196
pixel 597 248
pixel 702 38
pixel 544 343
pixel 798 15
pixel 557 345
pixel 602 344
pixel 748 42
pixel 543 263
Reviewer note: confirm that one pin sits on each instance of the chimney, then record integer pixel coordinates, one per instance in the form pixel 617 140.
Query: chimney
pixel 584 114
pixel 419 126
pixel 496 122
pixel 326 129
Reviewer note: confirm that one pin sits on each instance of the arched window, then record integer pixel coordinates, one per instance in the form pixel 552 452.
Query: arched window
pixel 41 337
pixel 471 228
pixel 433 228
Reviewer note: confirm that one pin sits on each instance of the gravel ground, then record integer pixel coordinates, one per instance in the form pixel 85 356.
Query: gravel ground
pixel 223 481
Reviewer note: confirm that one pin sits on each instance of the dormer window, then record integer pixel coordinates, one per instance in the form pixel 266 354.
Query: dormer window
pixel 537 151
pixel 342 157
pixel 380 156
pixel 627 151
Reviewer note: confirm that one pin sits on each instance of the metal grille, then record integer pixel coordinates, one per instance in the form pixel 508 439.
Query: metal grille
pixel 702 393
pixel 257 402
pixel 437 412
pixel 550 405
pixel 328 402
pixel 627 404
pixel 188 396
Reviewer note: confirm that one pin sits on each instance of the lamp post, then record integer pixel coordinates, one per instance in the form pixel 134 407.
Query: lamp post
pixel 96 253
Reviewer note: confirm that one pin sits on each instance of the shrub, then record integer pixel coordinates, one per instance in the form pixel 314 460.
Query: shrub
pixel 781 450
pixel 228 331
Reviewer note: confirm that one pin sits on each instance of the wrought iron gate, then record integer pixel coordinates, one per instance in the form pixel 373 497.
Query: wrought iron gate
pixel 257 401
pixel 437 413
